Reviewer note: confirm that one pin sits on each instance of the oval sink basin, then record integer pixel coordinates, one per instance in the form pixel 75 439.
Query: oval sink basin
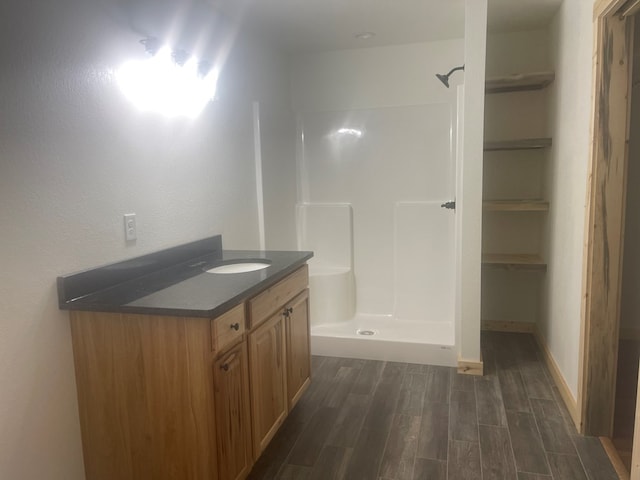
pixel 240 267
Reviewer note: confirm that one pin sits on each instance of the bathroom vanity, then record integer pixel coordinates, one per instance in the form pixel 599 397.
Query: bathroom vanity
pixel 185 374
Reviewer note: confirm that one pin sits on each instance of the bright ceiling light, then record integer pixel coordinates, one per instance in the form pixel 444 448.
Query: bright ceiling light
pixel 158 84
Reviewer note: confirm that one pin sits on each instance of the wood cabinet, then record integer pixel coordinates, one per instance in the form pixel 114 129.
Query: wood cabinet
pixel 268 380
pixel 145 396
pixel 168 397
pixel 279 353
pixel 298 349
pixel 274 298
pixel 227 329
pixel 233 416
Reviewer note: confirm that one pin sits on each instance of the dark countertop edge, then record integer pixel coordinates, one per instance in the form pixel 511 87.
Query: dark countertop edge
pixel 74 286
pixel 181 312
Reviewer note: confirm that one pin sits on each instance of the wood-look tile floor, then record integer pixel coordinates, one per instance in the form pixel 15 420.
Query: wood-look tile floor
pixel 372 420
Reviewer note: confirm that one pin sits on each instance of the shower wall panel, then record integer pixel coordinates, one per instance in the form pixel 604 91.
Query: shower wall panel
pixel 424 258
pixel 375 159
pixel 326 230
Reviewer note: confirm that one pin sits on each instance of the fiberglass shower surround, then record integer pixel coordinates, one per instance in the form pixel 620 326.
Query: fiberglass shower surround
pixel 372 183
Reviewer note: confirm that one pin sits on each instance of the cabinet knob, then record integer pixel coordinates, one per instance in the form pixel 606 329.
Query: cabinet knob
pixel 287 311
pixel 235 326
pixel 225 367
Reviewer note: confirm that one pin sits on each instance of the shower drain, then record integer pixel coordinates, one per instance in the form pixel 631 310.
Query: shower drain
pixel 366 332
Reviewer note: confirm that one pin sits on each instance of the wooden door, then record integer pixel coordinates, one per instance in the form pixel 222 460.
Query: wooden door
pixel 233 416
pixel 268 380
pixel 298 350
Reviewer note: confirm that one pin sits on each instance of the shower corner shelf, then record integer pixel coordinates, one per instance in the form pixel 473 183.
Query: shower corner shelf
pixel 514 261
pixel 519 82
pixel 516 205
pixel 519 144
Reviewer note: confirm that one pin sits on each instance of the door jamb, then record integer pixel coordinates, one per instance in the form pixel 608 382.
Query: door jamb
pixel 604 229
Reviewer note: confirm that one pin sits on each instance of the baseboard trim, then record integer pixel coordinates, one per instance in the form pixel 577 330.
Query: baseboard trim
pixel 558 378
pixel 504 326
pixel 467 367
pixel 614 457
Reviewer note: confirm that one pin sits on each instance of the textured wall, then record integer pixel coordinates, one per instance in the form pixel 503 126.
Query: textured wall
pixel 74 157
pixel 571 48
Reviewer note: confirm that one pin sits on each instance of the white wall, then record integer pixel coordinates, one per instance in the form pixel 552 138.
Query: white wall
pixel 74 157
pixel 278 146
pixel 517 52
pixel 469 200
pixel 375 77
pixel 571 46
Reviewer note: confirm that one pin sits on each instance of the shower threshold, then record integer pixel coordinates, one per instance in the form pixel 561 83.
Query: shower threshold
pixel 381 337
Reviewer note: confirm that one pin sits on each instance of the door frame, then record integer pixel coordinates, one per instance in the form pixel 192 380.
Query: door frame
pixel 604 229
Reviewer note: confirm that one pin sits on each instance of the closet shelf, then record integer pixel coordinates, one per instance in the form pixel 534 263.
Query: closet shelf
pixel 515 261
pixel 521 144
pixel 529 205
pixel 519 82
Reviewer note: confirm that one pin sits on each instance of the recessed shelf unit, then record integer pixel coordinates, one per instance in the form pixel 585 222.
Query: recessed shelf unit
pixel 514 210
pixel 519 82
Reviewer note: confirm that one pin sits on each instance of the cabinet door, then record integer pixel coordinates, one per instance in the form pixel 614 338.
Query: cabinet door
pixel 268 380
pixel 231 380
pixel 298 351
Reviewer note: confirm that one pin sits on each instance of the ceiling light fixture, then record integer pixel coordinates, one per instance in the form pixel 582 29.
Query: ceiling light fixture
pixel 170 82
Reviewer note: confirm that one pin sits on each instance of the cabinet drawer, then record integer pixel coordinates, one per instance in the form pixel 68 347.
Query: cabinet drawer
pixel 266 303
pixel 227 328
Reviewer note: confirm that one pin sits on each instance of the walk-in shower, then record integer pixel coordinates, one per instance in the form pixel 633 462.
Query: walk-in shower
pixel 372 185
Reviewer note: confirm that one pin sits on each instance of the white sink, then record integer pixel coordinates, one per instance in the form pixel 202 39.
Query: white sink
pixel 240 267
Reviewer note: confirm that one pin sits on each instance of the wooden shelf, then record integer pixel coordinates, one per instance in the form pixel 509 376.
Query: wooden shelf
pixel 515 205
pixel 521 144
pixel 519 82
pixel 517 261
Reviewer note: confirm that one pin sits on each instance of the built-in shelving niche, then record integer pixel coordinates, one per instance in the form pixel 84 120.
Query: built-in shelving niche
pixel 514 223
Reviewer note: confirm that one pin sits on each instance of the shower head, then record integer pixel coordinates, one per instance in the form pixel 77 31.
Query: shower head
pixel 445 78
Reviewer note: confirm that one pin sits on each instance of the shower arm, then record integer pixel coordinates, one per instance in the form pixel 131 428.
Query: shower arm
pixel 455 69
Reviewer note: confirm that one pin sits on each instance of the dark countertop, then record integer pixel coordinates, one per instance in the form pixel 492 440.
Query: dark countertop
pixel 176 289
